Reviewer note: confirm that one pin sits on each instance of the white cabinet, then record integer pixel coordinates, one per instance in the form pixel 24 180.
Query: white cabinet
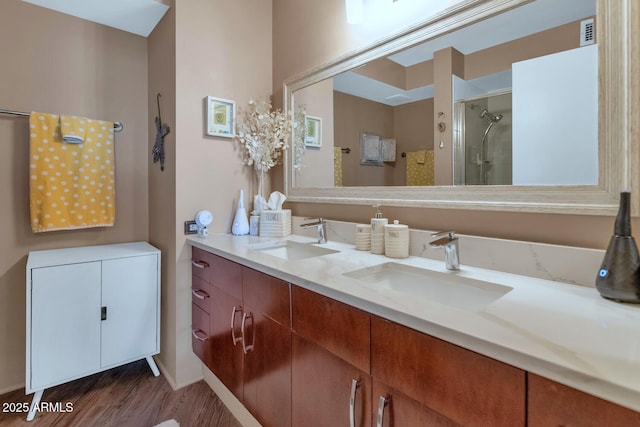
pixel 90 309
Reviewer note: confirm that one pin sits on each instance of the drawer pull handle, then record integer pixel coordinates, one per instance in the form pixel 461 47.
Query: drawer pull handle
pixel 384 401
pixel 199 293
pixel 352 402
pixel 199 264
pixel 233 322
pixel 248 348
pixel 199 335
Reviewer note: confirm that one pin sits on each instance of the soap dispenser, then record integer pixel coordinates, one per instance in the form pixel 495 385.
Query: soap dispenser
pixel 240 225
pixel 619 276
pixel 377 232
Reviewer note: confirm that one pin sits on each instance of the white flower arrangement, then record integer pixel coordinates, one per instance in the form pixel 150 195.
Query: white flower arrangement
pixel 264 132
pixel 298 136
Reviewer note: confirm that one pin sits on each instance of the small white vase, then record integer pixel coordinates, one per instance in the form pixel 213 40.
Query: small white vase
pixel 240 225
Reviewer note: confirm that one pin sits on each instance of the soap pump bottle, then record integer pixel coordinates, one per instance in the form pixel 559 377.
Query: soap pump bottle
pixel 240 225
pixel 619 276
pixel 377 232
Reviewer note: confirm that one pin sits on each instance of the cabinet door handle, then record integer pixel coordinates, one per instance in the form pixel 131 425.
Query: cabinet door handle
pixel 199 264
pixel 352 402
pixel 199 334
pixel 199 293
pixel 384 401
pixel 233 322
pixel 248 348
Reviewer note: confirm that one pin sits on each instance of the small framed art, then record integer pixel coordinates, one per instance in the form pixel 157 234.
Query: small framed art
pixel 221 117
pixel 312 131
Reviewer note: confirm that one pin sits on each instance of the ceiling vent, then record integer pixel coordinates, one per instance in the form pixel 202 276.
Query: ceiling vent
pixel 587 32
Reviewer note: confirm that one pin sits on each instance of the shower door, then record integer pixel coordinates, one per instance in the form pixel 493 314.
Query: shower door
pixel 482 141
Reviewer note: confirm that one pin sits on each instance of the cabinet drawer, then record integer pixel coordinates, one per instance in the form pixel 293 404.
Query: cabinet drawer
pixel 551 403
pixel 226 275
pixel 339 328
pixel 201 294
pixel 464 386
pixel 267 295
pixel 201 263
pixel 199 331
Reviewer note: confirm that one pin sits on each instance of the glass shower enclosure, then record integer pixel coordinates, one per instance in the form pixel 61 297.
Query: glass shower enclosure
pixel 482 140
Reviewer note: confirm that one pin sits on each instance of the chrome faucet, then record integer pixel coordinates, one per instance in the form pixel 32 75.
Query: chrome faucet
pixel 321 225
pixel 448 241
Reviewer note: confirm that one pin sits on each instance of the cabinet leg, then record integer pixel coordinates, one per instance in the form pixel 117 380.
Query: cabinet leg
pixel 153 366
pixel 36 399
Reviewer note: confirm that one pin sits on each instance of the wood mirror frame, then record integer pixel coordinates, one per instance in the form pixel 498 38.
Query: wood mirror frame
pixel 618 23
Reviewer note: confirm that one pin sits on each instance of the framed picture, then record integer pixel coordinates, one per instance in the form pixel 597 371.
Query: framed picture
pixel 312 131
pixel 370 149
pixel 221 117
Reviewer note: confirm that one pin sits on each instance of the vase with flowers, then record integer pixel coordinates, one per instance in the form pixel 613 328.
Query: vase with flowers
pixel 264 133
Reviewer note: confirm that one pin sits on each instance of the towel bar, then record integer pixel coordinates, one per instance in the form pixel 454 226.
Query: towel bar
pixel 117 126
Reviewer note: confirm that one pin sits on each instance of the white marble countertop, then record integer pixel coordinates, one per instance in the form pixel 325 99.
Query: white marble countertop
pixel 564 332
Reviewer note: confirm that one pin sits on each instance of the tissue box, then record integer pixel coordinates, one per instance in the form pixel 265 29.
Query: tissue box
pixel 275 223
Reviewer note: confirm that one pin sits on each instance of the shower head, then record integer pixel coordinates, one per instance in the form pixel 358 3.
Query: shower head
pixel 491 117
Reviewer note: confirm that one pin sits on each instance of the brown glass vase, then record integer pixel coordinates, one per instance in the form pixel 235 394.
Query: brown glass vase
pixel 619 275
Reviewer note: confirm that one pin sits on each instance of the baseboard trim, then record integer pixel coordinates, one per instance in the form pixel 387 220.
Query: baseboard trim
pixel 230 401
pixel 165 374
pixel 172 382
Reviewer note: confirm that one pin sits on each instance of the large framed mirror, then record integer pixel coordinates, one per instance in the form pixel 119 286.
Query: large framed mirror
pixel 494 105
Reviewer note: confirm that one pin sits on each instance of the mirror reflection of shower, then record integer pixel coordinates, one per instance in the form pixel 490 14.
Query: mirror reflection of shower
pixel 482 159
pixel 483 154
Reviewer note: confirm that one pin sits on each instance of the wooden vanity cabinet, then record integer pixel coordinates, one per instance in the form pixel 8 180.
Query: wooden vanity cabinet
pixel 216 288
pixel 466 387
pixel 248 342
pixel 554 404
pixel 338 327
pixel 323 385
pixel 266 340
pixel 296 358
pixel 331 382
pixel 400 410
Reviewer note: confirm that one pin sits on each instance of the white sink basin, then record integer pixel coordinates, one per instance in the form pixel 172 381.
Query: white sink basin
pixel 290 250
pixel 445 288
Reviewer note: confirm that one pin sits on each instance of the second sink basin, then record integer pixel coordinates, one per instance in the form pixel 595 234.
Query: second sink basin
pixel 444 288
pixel 290 250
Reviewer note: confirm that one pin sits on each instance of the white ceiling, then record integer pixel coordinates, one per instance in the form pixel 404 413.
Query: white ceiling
pixel 135 16
pixel 529 19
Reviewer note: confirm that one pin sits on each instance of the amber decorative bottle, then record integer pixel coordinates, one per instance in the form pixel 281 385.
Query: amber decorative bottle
pixel 619 276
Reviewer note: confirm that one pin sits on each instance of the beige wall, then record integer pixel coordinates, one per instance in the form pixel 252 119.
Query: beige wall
pixel 308 43
pixel 318 102
pixel 352 116
pixel 413 131
pixel 446 63
pixel 162 184
pixel 60 64
pixel 193 54
pixel 223 49
pixel 407 123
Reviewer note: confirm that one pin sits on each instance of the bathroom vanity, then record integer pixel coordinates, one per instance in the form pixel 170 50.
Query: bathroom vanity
pixel 327 335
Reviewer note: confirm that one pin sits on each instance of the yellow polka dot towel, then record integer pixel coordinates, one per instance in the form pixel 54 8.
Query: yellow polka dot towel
pixel 72 185
pixel 420 168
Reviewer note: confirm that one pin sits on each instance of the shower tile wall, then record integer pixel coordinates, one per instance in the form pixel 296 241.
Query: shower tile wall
pixel 499 171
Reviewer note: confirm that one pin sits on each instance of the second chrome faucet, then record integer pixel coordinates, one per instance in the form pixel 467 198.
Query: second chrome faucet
pixel 321 225
pixel 448 241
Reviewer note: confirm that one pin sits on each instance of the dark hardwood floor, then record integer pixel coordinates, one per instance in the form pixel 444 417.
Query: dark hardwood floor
pixel 126 396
